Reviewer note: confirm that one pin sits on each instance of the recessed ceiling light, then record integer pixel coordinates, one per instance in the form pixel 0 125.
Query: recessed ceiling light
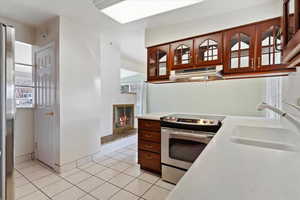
pixel 131 10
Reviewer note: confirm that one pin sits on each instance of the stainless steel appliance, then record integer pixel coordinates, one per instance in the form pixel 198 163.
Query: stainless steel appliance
pixel 183 138
pixel 7 110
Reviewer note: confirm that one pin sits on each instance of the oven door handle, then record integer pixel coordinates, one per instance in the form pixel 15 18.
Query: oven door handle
pixel 191 136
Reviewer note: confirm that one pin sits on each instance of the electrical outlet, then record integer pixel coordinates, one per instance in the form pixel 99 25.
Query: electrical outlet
pixel 298 102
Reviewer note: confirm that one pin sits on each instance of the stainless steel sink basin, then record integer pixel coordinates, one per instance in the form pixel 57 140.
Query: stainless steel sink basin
pixel 273 138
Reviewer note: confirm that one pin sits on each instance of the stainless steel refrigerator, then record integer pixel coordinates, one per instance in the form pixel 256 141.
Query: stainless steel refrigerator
pixel 7 110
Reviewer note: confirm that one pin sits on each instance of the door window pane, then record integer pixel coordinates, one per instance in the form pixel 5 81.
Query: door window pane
pixel 23 53
pixel 24 97
pixel 23 75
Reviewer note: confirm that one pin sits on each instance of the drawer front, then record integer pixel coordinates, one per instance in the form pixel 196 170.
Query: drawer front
pixel 150 161
pixel 149 136
pixel 152 125
pixel 149 146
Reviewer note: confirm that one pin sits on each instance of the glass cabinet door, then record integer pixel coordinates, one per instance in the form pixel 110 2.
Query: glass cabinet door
pixel 182 54
pixel 162 61
pixel 152 64
pixel 208 50
pixel 269 46
pixel 158 63
pixel 240 50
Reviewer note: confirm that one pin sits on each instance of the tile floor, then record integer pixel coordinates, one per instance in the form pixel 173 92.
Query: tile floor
pixel 115 176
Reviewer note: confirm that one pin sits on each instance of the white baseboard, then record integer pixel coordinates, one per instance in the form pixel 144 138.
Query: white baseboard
pixel 105 149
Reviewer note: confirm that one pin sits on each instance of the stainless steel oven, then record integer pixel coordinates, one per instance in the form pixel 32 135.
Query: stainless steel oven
pixel 183 138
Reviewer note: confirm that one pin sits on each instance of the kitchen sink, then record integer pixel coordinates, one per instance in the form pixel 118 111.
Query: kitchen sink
pixel 273 138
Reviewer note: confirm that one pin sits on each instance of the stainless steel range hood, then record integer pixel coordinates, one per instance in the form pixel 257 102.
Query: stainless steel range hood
pixel 199 74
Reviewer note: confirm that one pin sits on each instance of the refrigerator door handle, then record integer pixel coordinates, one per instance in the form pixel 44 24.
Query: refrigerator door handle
pixel 2 111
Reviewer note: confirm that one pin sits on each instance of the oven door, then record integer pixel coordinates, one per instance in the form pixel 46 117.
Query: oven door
pixel 180 148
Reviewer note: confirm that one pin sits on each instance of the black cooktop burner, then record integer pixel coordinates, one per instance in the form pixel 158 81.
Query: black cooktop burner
pixel 207 123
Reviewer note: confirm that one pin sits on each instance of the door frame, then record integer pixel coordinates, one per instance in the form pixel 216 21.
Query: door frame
pixel 56 131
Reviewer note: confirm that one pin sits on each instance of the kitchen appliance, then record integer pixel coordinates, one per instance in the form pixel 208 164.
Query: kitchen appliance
pixel 183 138
pixel 7 110
pixel 198 74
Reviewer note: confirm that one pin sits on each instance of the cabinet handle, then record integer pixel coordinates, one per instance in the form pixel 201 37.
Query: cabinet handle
pixel 252 62
pixel 148 157
pixel 148 146
pixel 147 125
pixel 148 135
pixel 258 62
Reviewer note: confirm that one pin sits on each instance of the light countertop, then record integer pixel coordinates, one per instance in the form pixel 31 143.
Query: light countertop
pixel 231 171
pixel 153 116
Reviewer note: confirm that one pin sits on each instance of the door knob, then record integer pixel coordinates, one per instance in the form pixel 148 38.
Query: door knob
pixel 49 113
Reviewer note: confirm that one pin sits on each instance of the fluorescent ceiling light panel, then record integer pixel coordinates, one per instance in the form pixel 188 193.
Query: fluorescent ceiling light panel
pixel 131 10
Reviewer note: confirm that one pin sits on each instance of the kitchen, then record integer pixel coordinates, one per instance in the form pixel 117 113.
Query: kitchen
pixel 241 157
pixel 208 108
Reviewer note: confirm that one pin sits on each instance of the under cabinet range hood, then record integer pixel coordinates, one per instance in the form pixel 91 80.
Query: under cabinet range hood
pixel 199 74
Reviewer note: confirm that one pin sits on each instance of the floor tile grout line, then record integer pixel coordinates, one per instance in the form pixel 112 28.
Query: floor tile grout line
pixel 50 170
pixel 94 161
pixel 121 188
pixel 34 186
pixel 107 181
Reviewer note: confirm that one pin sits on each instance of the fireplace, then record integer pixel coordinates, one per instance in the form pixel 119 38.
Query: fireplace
pixel 123 118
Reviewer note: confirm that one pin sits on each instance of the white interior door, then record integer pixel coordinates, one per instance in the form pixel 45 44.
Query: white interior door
pixel 45 105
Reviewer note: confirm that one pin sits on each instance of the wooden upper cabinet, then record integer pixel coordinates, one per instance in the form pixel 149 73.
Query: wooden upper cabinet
pixel 208 50
pixel 158 63
pixel 239 50
pixel 182 54
pixel 269 45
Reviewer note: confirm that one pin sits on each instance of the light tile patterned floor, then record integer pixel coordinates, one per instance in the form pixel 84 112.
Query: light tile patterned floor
pixel 115 176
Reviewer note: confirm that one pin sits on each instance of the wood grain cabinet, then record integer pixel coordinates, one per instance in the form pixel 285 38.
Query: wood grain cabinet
pixel 239 50
pixel 269 46
pixel 182 54
pixel 149 145
pixel 208 50
pixel 158 63
pixel 291 33
pixel 254 48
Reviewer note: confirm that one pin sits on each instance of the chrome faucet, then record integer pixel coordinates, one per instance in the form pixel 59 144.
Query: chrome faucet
pixel 289 117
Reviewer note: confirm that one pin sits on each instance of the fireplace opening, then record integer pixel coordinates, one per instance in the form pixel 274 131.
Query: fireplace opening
pixel 123 118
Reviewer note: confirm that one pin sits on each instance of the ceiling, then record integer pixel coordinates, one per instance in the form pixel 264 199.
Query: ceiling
pixel 35 12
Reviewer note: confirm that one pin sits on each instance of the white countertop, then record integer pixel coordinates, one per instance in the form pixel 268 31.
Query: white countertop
pixel 231 171
pixel 153 116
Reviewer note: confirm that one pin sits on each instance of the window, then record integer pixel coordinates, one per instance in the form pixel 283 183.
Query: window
pixel 24 75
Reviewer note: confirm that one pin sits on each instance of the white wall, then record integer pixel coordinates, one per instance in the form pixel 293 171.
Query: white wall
pixel 230 97
pixel 110 78
pixel 24 132
pixel 291 94
pixel 80 87
pixel 24 33
pixel 158 35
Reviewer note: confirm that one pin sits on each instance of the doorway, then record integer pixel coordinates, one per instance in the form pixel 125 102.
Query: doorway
pixel 46 139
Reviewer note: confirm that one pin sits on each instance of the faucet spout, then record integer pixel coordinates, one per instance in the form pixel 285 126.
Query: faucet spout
pixel 264 106
pixel 289 117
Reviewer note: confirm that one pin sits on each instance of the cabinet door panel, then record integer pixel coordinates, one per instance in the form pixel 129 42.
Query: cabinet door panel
pixel 158 63
pixel 163 62
pixel 182 54
pixel 269 46
pixel 152 64
pixel 239 50
pixel 208 50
